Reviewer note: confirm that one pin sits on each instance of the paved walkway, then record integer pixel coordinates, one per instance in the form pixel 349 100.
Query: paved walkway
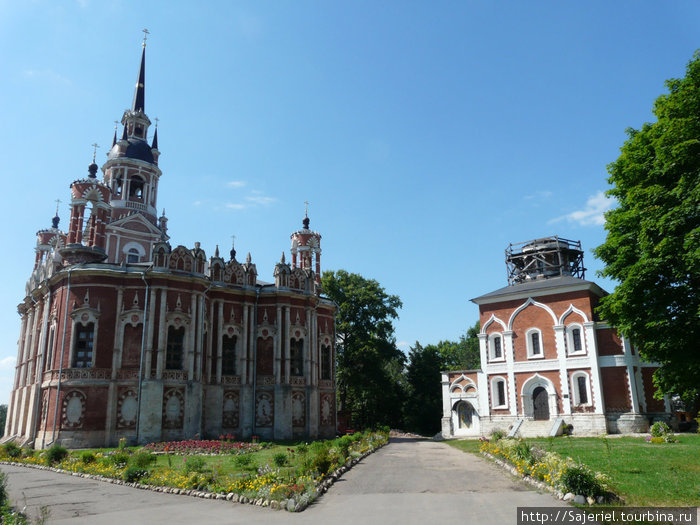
pixel 406 482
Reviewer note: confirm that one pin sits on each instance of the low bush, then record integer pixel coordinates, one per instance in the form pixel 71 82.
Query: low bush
pixel 279 459
pixel 497 434
pixel 659 429
pixel 12 450
pixel 193 464
pixel 56 454
pixel 87 457
pixel 142 459
pixel 119 459
pixel 580 480
pixel 133 474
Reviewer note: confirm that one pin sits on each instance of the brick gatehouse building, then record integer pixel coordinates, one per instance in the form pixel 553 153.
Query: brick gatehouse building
pixel 125 336
pixel 546 358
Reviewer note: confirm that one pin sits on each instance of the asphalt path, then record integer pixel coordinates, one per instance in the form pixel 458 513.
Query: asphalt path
pixel 408 482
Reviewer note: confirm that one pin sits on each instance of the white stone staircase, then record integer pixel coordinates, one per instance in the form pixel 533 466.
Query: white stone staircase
pixel 530 428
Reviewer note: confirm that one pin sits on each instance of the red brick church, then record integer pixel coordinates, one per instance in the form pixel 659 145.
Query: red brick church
pixel 125 336
pixel 546 358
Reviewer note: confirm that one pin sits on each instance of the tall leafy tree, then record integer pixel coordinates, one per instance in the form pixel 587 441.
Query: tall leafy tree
pixel 653 241
pixel 368 364
pixel 423 375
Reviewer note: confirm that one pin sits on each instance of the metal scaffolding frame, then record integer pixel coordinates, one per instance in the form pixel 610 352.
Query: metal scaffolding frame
pixel 544 258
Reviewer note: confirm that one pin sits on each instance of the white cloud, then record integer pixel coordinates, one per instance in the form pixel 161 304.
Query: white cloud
pixel 403 344
pixel 592 214
pixel 539 195
pixel 7 363
pixel 236 184
pixel 232 206
pixel 197 203
pixel 260 199
pixel 46 74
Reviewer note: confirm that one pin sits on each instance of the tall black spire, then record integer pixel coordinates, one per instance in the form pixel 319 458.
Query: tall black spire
pixel 139 103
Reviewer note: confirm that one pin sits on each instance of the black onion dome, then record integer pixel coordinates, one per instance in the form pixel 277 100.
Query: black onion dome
pixel 92 170
pixel 137 149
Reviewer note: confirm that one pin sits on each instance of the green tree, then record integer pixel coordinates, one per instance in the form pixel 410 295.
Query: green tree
pixel 3 417
pixel 368 364
pixel 653 241
pixel 423 375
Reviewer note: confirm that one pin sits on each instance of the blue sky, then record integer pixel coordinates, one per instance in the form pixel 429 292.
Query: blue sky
pixel 425 135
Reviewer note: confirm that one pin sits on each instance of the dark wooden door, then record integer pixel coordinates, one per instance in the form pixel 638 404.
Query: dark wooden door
pixel 540 402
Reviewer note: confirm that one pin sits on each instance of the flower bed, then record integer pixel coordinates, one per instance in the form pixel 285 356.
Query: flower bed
pixel 287 480
pixel 563 475
pixel 198 446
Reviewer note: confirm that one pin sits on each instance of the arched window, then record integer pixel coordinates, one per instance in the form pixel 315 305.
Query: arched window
pixel 582 389
pixel 82 351
pixel 465 414
pixel 574 339
pixel 498 393
pixel 297 357
pixel 228 356
pixel 495 347
pixel 174 350
pixel 533 339
pixel 325 362
pixel 132 256
pixel 136 186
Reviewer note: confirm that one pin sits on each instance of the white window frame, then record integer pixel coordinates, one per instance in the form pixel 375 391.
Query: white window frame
pixel 494 392
pixel 126 250
pixel 576 391
pixel 491 349
pixel 528 341
pixel 570 339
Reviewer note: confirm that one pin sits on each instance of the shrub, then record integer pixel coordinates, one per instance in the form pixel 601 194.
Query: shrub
pixel 87 457
pixel 193 464
pixel 133 474
pixel 3 489
pixel 243 460
pixel 118 459
pixel 580 480
pixel 122 443
pixel 497 434
pixel 142 459
pixel 659 429
pixel 279 459
pixel 302 449
pixel 12 450
pixel 56 454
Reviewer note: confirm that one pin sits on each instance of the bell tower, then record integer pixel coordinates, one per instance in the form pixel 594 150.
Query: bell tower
pixel 132 174
pixel 306 248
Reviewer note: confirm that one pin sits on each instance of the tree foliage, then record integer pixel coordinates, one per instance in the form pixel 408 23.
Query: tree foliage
pixel 368 364
pixel 423 408
pixel 653 241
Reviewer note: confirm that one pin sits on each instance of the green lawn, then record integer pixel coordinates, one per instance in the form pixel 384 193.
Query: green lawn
pixel 642 473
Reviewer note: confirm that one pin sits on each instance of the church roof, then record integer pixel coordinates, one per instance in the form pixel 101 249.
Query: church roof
pixel 552 285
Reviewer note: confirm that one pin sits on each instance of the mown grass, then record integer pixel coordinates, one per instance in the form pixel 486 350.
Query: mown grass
pixel 643 474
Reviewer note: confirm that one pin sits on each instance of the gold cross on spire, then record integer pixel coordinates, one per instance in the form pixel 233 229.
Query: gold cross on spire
pixel 306 208
pixel 157 120
pixel 233 240
pixel 146 32
pixel 58 201
pixel 94 150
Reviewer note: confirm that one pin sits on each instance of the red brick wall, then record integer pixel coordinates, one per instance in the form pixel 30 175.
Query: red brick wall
pixel 552 375
pixel 534 317
pixel 609 343
pixel 653 405
pixel 616 389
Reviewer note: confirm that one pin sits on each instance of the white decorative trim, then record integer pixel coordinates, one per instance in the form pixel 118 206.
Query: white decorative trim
pixel 570 340
pixel 494 390
pixel 575 388
pixel 493 319
pixel 571 309
pixel 540 343
pixel 492 347
pixel 530 301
